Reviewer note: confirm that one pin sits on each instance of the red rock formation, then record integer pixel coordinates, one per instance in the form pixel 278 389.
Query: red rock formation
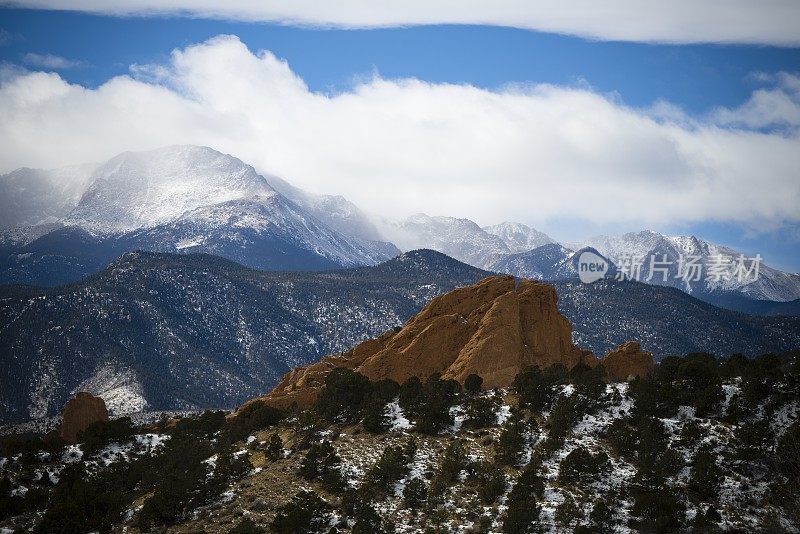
pixel 627 362
pixel 80 412
pixel 494 329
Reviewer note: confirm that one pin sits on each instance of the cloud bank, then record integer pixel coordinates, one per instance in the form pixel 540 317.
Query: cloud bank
pixel 396 147
pixel 774 22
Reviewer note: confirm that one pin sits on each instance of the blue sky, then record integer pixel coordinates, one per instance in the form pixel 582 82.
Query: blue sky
pixel 697 78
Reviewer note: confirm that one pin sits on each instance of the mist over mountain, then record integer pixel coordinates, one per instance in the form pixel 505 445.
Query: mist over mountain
pixel 144 189
pixel 30 197
pixel 461 239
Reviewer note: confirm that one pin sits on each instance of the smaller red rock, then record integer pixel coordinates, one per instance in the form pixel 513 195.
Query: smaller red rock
pixel 80 412
pixel 627 362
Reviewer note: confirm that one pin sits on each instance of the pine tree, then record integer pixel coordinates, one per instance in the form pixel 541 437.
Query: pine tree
pixel 481 413
pixel 491 481
pixel 322 463
pixel 567 513
pixel 306 512
pixel 602 518
pixel 342 399
pixel 376 419
pixel 706 475
pixel 415 493
pixel 521 516
pixel 581 467
pixel 473 384
pixel 367 520
pixel 512 440
pixel 274 447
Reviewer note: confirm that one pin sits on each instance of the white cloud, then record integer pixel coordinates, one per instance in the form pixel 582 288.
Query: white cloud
pixel 777 106
pixel 676 21
pixel 50 61
pixel 532 153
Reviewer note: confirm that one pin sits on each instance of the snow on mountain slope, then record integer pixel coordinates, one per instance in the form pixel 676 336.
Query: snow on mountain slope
pixel 165 199
pixel 252 229
pixel 334 210
pixel 461 239
pixel 118 386
pixel 192 331
pixel 144 189
pixel 652 247
pixel 519 237
pixel 547 262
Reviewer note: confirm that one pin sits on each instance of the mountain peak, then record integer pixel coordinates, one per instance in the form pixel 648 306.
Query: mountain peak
pixel 143 189
pixel 519 237
pixel 428 261
pixel 462 239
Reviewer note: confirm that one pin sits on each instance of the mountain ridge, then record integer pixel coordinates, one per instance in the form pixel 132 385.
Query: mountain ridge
pixel 151 201
pixel 178 332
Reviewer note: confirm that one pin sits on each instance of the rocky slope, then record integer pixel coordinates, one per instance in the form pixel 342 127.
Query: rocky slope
pixel 699 446
pixel 81 411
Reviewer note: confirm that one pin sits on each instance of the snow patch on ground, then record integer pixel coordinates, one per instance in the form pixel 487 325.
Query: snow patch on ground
pixel 397 418
pixel 118 387
pixel 189 242
pixel 503 414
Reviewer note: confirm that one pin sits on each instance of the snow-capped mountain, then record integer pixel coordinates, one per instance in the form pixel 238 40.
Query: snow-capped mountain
pixel 548 262
pixel 63 224
pixel 144 189
pixel 461 239
pixel 665 261
pixel 519 237
pixel 260 231
pixel 187 199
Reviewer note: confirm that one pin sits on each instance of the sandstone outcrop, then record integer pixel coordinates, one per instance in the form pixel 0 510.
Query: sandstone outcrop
pixel 494 329
pixel 80 412
pixel 627 361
